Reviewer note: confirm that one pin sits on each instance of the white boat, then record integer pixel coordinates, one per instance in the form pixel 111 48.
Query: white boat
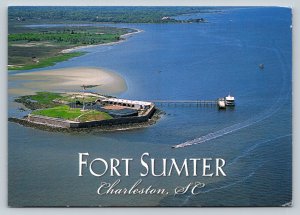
pixel 229 100
pixel 221 103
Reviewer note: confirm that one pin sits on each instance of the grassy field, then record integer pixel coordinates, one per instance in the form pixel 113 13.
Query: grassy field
pixel 46 61
pixel 76 98
pixel 42 104
pixel 46 99
pixel 39 100
pixel 74 114
pixel 30 48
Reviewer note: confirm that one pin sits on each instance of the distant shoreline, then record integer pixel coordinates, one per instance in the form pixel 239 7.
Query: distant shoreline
pixel 122 39
pixel 65 54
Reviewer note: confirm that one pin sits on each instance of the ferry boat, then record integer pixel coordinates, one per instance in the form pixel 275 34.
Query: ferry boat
pixel 229 100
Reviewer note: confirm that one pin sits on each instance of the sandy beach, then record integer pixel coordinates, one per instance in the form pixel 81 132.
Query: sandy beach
pixel 68 80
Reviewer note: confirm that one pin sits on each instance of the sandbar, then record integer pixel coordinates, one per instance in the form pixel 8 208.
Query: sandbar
pixel 68 80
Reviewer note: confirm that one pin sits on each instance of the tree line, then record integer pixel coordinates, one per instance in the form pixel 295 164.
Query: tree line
pixel 72 38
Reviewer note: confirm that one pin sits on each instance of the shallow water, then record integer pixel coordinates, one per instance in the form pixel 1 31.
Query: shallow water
pixel 179 62
pixel 66 80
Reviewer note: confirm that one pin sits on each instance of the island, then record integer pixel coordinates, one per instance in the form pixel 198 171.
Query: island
pixel 85 110
pixel 37 38
pixel 30 48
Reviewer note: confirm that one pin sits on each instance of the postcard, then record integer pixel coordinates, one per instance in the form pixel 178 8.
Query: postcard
pixel 149 106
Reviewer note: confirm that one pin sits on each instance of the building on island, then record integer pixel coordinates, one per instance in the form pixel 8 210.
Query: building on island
pixel 138 105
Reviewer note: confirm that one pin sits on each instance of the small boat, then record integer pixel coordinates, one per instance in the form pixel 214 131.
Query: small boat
pixel 229 100
pixel 221 103
pixel 261 66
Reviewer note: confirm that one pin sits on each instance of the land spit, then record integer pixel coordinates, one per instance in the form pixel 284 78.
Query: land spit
pixel 122 39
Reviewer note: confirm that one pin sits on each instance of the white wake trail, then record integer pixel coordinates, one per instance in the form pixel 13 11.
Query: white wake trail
pixel 258 118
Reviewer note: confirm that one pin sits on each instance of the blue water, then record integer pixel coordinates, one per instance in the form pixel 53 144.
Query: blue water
pixel 180 62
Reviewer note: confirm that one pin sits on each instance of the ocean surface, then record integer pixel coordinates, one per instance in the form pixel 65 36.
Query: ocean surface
pixel 178 62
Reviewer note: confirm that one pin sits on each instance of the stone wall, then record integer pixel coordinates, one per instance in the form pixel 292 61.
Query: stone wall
pixel 55 122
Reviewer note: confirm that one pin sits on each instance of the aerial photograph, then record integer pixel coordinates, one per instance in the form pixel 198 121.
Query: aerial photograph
pixel 157 106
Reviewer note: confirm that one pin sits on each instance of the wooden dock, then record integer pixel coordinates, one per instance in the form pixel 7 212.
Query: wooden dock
pixel 185 102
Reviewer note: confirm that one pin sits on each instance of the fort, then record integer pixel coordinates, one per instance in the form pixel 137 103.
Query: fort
pixel 84 110
pixel 80 110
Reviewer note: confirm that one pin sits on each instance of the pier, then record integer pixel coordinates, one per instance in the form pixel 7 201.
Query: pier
pixel 222 103
pixel 185 102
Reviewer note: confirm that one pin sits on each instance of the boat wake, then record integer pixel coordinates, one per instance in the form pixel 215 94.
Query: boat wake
pixel 250 149
pixel 240 179
pixel 283 96
pixel 188 197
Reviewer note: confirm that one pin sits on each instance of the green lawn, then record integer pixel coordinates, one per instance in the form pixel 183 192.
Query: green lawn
pixel 44 97
pixel 42 100
pixel 75 114
pixel 72 98
pixel 48 97
pixel 50 61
